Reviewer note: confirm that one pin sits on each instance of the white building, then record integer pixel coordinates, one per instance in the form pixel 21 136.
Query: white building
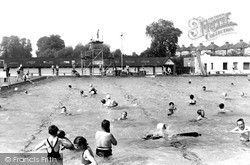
pixel 217 64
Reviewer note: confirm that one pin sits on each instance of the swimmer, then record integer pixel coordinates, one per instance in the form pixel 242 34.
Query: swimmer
pixel 124 116
pixel 242 130
pixel 82 93
pixel 26 92
pixel 104 140
pixel 109 102
pixel 232 83
pixel 52 144
pixel 159 133
pixel 192 101
pixel 201 114
pixel 224 94
pixel 61 135
pixel 242 94
pixel 204 88
pixel 92 90
pixel 171 109
pixel 222 110
pixel 87 157
pixel 64 111
pixel 70 86
pixel 189 81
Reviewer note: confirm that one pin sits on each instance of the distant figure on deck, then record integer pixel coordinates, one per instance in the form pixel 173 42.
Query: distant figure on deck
pixel 169 71
pixel 92 90
pixel 20 72
pixel 242 130
pixel 192 101
pixel 53 70
pixel 171 109
pixel 104 140
pixel 57 70
pixel 81 144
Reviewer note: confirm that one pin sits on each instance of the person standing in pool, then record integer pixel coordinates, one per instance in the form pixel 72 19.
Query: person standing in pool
pixel 242 130
pixel 80 143
pixel 104 140
pixel 53 143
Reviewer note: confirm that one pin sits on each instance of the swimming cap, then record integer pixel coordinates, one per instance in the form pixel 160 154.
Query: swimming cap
pixel 161 126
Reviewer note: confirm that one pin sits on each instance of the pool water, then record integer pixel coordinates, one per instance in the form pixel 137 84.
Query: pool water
pixel 25 119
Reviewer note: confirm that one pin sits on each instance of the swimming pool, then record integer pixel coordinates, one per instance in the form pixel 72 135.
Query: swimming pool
pixel 26 117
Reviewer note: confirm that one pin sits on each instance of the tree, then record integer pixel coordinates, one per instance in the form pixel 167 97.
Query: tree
pixel 134 54
pixel 117 53
pixel 80 50
pixel 50 44
pixel 164 38
pixel 13 47
pixel 65 52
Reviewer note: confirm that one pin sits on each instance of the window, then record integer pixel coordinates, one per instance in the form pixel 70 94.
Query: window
pixel 246 65
pixel 235 65
pixel 224 65
pixel 212 66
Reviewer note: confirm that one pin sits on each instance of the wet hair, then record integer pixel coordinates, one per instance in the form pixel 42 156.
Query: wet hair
pixel 103 101
pixel 70 86
pixel 125 112
pixel 80 141
pixel 171 103
pixel 81 92
pixel 221 105
pixel 53 130
pixel 61 134
pixel 191 96
pixel 106 125
pixel 204 87
pixel 201 112
pixel 240 119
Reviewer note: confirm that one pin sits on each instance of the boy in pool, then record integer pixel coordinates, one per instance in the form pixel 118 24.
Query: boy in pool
pixel 192 101
pixel 201 114
pixel 171 109
pixel 222 110
pixel 64 111
pixel 124 116
pixel 242 130
pixel 61 135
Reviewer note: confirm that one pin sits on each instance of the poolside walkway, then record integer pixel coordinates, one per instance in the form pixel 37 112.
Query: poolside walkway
pixel 12 81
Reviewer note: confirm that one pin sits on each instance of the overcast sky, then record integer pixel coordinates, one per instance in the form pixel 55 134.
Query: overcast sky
pixel 77 21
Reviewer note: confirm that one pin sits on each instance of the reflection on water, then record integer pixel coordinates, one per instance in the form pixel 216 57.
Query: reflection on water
pixel 25 122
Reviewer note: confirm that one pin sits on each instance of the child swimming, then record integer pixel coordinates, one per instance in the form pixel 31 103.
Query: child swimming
pixel 109 102
pixel 201 114
pixel 171 109
pixel 92 90
pixel 192 101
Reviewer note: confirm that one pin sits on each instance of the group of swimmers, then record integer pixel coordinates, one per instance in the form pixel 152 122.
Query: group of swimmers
pixel 105 139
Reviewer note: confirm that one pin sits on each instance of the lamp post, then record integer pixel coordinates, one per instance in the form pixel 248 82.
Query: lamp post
pixel 121 51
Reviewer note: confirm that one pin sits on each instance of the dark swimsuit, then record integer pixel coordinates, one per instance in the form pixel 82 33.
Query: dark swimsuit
pixel 103 153
pixel 53 153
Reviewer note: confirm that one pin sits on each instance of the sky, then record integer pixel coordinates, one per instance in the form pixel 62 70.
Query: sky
pixel 77 21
